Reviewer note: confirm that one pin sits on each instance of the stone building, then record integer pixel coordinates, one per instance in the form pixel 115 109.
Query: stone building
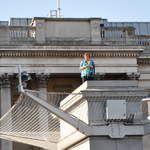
pixel 50 49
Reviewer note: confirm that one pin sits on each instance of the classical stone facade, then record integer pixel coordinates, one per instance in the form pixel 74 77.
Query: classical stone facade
pixel 50 49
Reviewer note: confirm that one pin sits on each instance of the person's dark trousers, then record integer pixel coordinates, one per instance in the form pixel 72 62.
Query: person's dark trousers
pixel 87 78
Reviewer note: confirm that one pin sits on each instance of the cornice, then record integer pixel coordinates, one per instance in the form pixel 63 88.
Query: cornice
pixel 64 19
pixel 69 51
pixel 62 53
pixel 75 48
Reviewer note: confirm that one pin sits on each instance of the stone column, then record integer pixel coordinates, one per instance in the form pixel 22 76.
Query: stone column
pixel 42 87
pixel 5 105
pixel 42 84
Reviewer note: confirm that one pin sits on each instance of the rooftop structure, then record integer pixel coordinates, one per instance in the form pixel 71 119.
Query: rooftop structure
pixel 73 31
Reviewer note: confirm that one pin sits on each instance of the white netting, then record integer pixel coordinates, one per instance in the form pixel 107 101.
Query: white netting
pixel 28 119
pixel 31 123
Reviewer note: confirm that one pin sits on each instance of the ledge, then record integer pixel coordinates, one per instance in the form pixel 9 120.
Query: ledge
pixel 127 89
pixel 64 19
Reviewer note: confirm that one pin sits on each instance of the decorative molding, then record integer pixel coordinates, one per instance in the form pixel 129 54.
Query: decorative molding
pixel 143 61
pixel 57 53
pixel 133 76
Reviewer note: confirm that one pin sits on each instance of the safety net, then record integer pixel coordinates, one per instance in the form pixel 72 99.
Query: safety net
pixel 28 121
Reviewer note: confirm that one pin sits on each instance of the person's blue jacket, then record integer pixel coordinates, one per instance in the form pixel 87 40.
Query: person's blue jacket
pixel 87 72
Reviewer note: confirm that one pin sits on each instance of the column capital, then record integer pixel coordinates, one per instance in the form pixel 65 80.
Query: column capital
pixel 5 80
pixel 133 75
pixel 42 80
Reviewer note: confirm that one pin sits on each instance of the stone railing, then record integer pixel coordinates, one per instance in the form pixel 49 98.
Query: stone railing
pixel 19 33
pixel 123 36
pixel 111 36
pixel 143 40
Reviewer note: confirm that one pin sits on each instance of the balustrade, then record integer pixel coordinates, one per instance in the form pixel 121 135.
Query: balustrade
pixel 120 36
pixel 19 33
pixel 109 36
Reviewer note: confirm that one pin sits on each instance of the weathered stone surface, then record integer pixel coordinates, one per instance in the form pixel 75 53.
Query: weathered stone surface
pixel 4 35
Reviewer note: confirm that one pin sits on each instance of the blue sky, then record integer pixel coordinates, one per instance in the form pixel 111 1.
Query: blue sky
pixel 113 10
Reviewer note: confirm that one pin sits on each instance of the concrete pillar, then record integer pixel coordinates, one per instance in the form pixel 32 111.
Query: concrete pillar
pixel 5 105
pixel 95 31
